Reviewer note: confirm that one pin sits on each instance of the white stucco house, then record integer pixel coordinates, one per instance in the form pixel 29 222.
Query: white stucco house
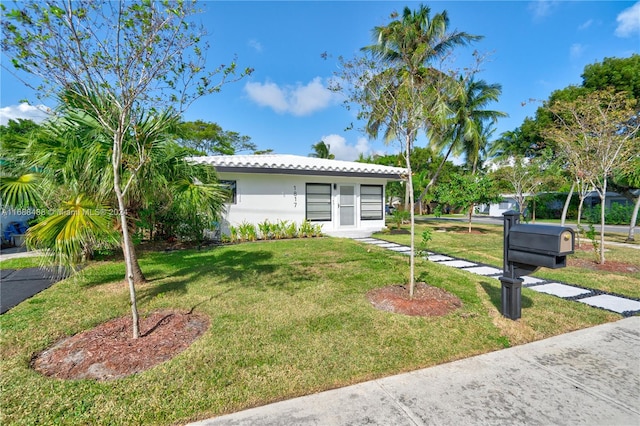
pixel 346 198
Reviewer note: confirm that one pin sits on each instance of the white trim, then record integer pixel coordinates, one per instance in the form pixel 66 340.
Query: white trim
pixel 295 163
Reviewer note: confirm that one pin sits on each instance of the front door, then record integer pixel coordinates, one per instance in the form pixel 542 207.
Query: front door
pixel 347 205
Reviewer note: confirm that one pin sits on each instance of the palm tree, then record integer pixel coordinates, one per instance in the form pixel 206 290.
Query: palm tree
pixel 411 93
pixel 73 156
pixel 322 150
pixel 470 131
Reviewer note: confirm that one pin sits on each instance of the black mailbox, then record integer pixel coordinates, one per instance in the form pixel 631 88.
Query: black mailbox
pixel 540 245
pixel 525 249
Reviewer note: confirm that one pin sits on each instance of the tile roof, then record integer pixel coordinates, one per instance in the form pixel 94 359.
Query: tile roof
pixel 295 163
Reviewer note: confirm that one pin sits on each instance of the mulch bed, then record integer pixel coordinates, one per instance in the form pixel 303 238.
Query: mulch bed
pixel 109 351
pixel 427 300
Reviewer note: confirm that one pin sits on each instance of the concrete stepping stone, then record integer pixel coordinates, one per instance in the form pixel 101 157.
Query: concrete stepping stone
pixel 612 303
pixel 438 258
pixel 400 248
pixel 458 263
pixel 560 290
pixel 531 280
pixel 387 245
pixel 484 270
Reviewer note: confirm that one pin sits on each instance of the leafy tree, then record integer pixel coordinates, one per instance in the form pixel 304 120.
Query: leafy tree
pixel 119 61
pixel 466 190
pixel 597 134
pixel 400 87
pixel 211 139
pixel 322 150
pixel 623 74
pixel 521 176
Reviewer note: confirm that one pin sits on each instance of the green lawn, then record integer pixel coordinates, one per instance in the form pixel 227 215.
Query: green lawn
pixel 453 239
pixel 288 318
pixel 21 263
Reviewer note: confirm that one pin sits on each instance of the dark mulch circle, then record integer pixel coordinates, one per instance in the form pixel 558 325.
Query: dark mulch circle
pixel 427 300
pixel 109 351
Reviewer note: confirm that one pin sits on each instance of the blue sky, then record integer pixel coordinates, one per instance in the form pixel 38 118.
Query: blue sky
pixel 533 48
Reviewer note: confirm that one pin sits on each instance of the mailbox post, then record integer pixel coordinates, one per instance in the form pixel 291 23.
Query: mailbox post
pixel 526 249
pixel 511 282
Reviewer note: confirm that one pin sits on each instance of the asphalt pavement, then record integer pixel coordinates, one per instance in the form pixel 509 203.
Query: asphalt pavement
pixel 19 285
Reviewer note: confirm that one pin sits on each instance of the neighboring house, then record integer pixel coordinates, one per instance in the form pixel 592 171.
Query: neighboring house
pixel 507 203
pixel 592 199
pixel 346 198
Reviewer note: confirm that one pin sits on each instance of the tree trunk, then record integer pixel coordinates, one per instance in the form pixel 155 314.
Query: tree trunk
pixel 634 219
pixel 533 213
pixel 412 266
pixel 565 209
pixel 138 276
pixel 470 215
pixel 126 239
pixel 580 205
pixel 603 197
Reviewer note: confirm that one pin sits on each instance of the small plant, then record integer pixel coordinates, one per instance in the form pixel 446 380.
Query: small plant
pixel 306 229
pixel 279 230
pixel 399 217
pixel 248 231
pixel 317 230
pixel 291 230
pixel 593 236
pixel 233 234
pixel 266 230
pixel 422 247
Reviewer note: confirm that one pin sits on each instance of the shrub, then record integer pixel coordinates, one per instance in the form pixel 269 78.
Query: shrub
pixel 617 214
pixel 247 231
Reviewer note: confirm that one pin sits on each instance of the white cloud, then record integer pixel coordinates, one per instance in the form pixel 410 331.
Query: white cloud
pixel 37 113
pixel 298 100
pixel 628 21
pixel 256 45
pixel 267 94
pixel 339 147
pixel 542 8
pixel 585 24
pixel 576 50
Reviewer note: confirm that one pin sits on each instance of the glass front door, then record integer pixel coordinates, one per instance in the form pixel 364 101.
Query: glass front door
pixel 347 205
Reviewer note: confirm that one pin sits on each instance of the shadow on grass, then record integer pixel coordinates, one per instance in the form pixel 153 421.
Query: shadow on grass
pixel 494 291
pixel 186 267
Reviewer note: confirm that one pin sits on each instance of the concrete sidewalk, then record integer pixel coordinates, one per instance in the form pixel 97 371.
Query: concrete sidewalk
pixel 587 377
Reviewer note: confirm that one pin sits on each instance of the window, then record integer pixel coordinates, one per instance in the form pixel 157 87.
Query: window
pixel 318 202
pixel 371 202
pixel 230 186
pixel 504 205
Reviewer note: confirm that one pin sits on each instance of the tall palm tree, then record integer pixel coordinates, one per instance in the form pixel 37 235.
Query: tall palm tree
pixel 411 92
pixel 322 150
pixel 470 127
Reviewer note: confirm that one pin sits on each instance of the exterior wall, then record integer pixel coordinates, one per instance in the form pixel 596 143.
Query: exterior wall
pixel 276 197
pixel 507 203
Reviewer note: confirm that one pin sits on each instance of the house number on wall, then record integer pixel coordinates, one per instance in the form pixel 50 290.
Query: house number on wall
pixel 295 196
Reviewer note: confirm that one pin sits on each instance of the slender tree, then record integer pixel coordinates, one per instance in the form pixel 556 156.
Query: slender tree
pixel 120 60
pixel 598 131
pixel 401 87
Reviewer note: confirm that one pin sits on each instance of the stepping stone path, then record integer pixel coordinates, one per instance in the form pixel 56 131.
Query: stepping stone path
pixel 622 305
